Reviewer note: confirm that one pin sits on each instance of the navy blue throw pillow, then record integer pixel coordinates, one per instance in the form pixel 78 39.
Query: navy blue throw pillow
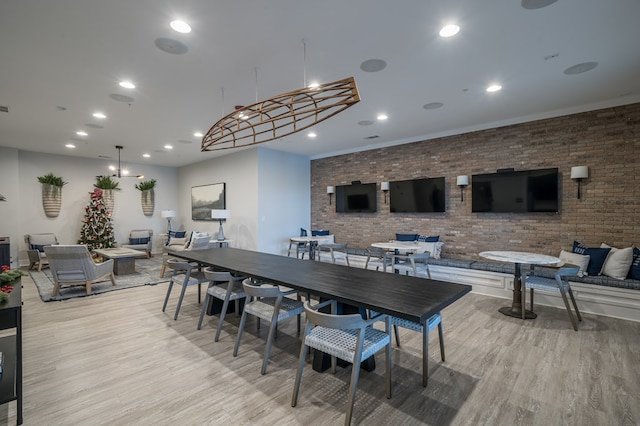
pixel 319 232
pixel 303 232
pixel 428 239
pixel 406 237
pixel 597 256
pixel 138 241
pixel 38 247
pixel 634 271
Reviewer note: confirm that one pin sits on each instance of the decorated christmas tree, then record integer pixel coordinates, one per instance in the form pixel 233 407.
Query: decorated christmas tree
pixel 97 229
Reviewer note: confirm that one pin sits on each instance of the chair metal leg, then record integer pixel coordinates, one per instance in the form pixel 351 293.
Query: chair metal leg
pixel 166 298
pixel 243 320
pixel 351 396
pixel 223 313
pixel 566 305
pixel 267 351
pixel 523 299
pixel 182 292
pixel 301 362
pixel 202 311
pixel 531 299
pixel 387 372
pixel 573 299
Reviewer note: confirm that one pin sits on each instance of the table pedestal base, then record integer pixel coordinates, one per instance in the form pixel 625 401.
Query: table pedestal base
pixel 516 313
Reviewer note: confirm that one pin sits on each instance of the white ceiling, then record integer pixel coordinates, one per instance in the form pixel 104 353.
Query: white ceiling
pixel 73 53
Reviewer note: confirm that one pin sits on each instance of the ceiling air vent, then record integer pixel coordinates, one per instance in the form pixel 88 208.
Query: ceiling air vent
pixel 372 137
pixel 4 108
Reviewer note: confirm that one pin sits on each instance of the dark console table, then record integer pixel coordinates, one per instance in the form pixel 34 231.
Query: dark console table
pixel 11 348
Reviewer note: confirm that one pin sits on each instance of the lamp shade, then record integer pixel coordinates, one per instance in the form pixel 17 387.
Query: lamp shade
pixel 579 172
pixel 168 213
pixel 462 180
pixel 220 214
pixel 384 186
pixel 331 189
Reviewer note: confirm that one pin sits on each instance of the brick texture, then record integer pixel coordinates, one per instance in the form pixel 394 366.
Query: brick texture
pixel 608 141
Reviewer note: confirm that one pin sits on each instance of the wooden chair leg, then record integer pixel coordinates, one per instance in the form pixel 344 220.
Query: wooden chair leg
pixel 425 354
pixel 397 334
pixel 573 299
pixel 56 289
pixel 223 312
pixel 166 297
pixel 441 338
pixel 243 320
pixel 112 278
pixel 88 287
pixel 301 362
pixel 202 311
pixel 566 305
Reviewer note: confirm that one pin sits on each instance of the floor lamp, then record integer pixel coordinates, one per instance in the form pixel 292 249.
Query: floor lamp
pixel 168 214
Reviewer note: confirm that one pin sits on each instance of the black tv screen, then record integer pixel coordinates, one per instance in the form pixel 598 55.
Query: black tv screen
pixel 417 196
pixel 356 198
pixel 515 192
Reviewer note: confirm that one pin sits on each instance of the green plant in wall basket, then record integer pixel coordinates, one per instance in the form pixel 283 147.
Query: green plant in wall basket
pixel 51 193
pixel 147 198
pixel 108 185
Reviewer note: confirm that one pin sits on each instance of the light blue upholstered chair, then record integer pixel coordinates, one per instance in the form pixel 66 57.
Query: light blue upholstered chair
pixel 557 284
pixel 35 249
pixel 347 337
pixel 267 302
pixel 223 286
pixel 73 265
pixel 140 239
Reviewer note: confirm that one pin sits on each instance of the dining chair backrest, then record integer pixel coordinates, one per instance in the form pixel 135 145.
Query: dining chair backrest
pixel 257 290
pixel 179 266
pixel 342 322
pixel 217 276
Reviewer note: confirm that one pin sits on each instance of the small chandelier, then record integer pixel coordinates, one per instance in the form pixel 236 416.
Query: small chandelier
pixel 281 115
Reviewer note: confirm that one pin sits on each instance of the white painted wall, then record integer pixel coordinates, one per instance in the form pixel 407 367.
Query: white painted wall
pixel 267 193
pixel 10 209
pixel 284 199
pixel 80 174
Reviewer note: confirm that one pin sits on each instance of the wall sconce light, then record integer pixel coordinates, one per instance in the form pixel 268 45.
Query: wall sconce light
pixel 578 173
pixel 168 214
pixel 462 181
pixel 330 191
pixel 385 188
pixel 220 215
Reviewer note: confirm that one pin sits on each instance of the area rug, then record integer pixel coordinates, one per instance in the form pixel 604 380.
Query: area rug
pixel 147 273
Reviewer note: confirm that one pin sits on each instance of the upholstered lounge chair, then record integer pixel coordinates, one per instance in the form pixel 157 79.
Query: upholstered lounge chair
pixel 140 239
pixel 73 265
pixel 35 249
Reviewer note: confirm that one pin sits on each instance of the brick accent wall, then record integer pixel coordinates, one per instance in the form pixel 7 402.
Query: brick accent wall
pixel 608 141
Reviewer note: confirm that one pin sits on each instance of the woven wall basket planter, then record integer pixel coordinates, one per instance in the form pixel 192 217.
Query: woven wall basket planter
pixel 108 195
pixel 147 200
pixel 51 199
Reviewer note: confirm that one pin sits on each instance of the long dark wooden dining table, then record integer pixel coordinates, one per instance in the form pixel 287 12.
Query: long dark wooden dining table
pixel 411 298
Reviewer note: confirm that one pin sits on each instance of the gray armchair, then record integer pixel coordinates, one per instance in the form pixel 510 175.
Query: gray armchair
pixel 140 239
pixel 73 265
pixel 35 248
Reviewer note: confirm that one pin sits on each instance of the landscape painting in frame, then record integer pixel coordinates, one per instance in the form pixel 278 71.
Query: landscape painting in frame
pixel 205 198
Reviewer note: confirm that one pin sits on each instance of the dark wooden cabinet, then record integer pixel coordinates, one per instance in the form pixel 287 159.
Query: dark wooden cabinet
pixel 11 348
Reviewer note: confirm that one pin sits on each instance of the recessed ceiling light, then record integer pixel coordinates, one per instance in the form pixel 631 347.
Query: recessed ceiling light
pixel 449 30
pixel 125 172
pixel 146 155
pixel 180 26
pixel 168 147
pixel 99 115
pixel 311 135
pixel 382 117
pixel 112 168
pixel 82 133
pixel 198 135
pixel 127 84
pixel 70 145
pixel 313 85
pixel 494 88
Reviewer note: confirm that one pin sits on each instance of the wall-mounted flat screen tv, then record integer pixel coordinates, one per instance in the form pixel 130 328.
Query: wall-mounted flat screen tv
pixel 356 198
pixel 515 192
pixel 417 196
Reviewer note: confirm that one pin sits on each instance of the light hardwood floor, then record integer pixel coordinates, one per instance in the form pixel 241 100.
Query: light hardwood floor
pixel 116 359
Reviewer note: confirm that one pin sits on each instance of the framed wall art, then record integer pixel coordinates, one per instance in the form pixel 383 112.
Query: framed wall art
pixel 204 198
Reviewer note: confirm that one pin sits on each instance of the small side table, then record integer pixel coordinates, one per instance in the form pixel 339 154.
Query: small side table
pixel 519 275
